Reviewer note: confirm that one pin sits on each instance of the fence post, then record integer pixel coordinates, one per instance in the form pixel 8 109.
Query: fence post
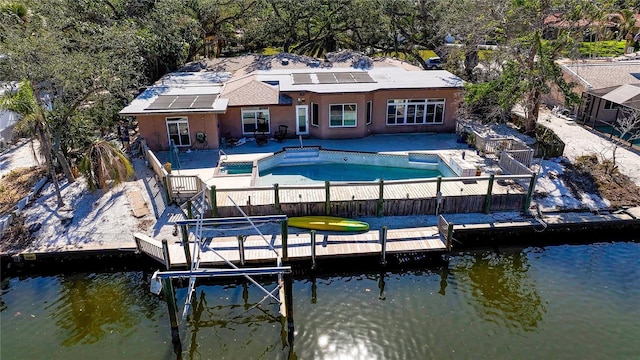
pixel 213 197
pixel 327 198
pixel 189 209
pixel 285 235
pixel 185 243
pixel 449 236
pixel 313 249
pixel 487 200
pixel 165 252
pixel 241 248
pixel 276 190
pixel 167 192
pixel 383 251
pixel 381 199
pixel 527 201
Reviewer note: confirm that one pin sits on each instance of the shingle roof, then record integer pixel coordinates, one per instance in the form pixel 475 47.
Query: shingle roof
pixel 249 91
pixel 598 75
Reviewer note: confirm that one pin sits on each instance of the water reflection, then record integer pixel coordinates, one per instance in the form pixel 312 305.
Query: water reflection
pixel 501 288
pixel 222 322
pixel 91 307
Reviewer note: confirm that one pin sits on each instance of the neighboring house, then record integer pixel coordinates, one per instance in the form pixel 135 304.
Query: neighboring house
pixel 7 119
pixel 603 107
pixel 588 75
pixel 346 96
pixel 606 87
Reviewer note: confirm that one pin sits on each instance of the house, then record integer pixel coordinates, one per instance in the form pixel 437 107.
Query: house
pixel 346 95
pixel 7 118
pixel 603 107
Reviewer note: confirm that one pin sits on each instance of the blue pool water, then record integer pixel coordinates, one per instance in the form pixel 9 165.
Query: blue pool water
pixel 236 169
pixel 314 173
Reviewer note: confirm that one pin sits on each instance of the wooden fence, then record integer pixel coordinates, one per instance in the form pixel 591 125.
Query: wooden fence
pixel 513 165
pixel 368 199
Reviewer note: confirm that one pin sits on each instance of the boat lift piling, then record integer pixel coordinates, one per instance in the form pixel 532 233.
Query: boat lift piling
pixel 162 280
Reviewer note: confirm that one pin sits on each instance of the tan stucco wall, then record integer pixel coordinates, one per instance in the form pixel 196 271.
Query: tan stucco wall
pixel 231 123
pixel 153 128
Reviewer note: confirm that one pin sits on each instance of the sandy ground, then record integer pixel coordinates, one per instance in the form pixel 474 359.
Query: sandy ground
pixel 90 221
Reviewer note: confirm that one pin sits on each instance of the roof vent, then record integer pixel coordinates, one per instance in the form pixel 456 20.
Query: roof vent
pixel 284 62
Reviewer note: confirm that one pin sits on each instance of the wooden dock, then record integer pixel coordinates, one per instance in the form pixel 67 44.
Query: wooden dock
pixel 328 245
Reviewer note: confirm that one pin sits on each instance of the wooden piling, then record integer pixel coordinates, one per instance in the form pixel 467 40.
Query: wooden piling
pixel 527 201
pixel 170 298
pixel 213 198
pixel 313 249
pixel 189 209
pixel 327 198
pixel 185 243
pixel 487 200
pixel 284 235
pixel 449 236
pixel 288 304
pixel 383 251
pixel 381 198
pixel 165 253
pixel 241 248
pixel 276 195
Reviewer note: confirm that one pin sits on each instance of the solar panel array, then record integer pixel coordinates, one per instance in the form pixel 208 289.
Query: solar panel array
pixel 333 78
pixel 172 102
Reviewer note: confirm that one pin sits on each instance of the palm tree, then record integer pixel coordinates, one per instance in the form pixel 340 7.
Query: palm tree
pixel 33 121
pixel 105 166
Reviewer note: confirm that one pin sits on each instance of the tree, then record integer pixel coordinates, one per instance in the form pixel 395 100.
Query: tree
pixel 628 129
pixel 105 166
pixel 518 28
pixel 33 120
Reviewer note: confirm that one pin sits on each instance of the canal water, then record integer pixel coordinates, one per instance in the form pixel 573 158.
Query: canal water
pixel 559 302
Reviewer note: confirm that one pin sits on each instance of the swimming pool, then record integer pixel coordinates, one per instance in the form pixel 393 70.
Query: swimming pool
pixel 238 168
pixel 314 165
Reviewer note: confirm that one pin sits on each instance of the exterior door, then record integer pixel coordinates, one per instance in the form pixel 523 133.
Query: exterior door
pixel 302 119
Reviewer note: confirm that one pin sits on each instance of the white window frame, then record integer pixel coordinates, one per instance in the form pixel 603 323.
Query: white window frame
pixel 355 124
pixel 416 111
pixel 369 113
pixel 178 120
pixel 245 119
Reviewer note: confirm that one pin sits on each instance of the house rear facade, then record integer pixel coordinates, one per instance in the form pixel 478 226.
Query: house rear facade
pixel 346 96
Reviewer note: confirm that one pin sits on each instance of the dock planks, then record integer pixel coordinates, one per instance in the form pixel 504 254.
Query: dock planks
pixel 328 245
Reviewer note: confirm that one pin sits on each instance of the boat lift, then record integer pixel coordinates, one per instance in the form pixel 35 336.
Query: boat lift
pixel 282 293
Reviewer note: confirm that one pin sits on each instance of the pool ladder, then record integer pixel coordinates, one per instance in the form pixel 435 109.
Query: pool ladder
pixel 220 153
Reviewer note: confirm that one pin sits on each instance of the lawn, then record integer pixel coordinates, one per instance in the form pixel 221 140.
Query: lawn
pixel 608 48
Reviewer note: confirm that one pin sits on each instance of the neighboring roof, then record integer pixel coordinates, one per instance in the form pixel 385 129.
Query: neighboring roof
pixel 599 75
pixel 181 91
pixel 627 95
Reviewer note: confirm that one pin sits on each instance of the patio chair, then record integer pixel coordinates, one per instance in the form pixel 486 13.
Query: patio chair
pixel 228 140
pixel 281 134
pixel 261 138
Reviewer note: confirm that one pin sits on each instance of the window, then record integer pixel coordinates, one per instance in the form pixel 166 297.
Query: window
pixel 608 105
pixel 255 119
pixel 369 110
pixel 342 115
pixel 415 111
pixel 178 131
pixel 314 114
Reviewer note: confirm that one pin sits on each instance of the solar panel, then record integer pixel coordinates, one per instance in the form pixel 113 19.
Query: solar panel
pixel 302 78
pixel 326 78
pixel 344 78
pixel 362 77
pixel 183 102
pixel 204 102
pixel 162 102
